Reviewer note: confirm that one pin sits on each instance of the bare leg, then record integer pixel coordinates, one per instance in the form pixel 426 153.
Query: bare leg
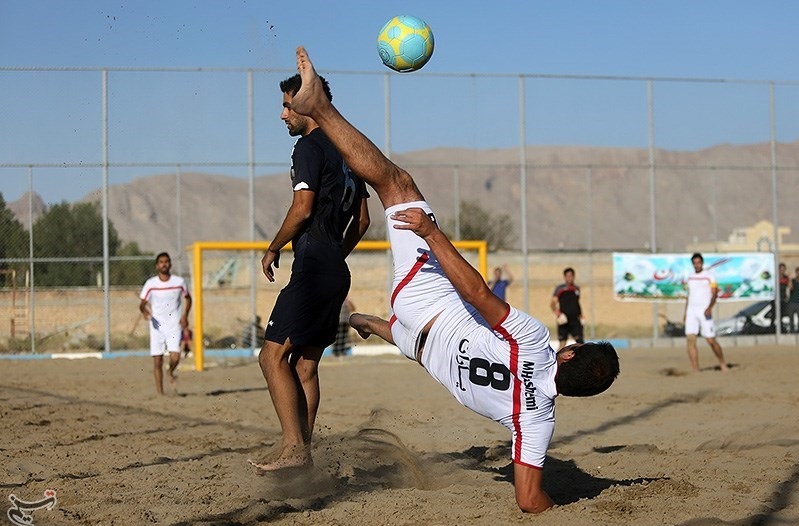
pixel 174 360
pixel 693 353
pixel 366 325
pixel 307 368
pixel 284 389
pixel 716 347
pixel 158 373
pixel 392 184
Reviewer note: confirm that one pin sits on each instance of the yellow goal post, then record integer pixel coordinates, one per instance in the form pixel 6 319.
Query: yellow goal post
pixel 199 247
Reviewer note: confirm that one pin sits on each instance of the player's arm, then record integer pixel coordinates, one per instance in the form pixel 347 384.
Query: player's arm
pixel 553 304
pixel 464 277
pixel 184 319
pixel 144 308
pixel 357 228
pixel 508 275
pixel 298 214
pixel 530 496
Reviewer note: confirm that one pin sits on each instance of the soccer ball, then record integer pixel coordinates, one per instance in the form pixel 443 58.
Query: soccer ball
pixel 405 43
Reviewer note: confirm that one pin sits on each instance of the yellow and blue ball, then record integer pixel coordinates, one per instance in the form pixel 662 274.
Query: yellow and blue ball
pixel 405 43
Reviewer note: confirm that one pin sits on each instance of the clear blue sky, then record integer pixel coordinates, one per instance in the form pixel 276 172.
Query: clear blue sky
pixel 733 39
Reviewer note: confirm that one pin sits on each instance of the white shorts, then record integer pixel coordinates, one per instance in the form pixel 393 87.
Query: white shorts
pixel 420 290
pixel 697 323
pixel 165 339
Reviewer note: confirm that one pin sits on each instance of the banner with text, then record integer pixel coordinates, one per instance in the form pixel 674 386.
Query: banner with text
pixel 746 276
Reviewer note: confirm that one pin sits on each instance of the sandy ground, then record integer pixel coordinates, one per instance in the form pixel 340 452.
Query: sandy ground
pixel 393 448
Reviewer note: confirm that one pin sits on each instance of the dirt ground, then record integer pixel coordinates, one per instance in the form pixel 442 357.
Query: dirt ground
pixel 662 446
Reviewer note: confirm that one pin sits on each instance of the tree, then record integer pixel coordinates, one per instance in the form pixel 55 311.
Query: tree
pixel 478 223
pixel 71 231
pixel 133 271
pixel 13 241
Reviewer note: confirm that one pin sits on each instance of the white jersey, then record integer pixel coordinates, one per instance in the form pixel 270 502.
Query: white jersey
pixel 701 287
pixel 165 298
pixel 506 373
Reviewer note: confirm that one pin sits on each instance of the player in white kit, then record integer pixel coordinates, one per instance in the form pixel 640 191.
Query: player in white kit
pixel 492 358
pixel 702 293
pixel 162 304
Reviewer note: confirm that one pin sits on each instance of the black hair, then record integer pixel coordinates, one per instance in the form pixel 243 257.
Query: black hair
pixel 292 85
pixel 592 370
pixel 568 269
pixel 163 254
pixel 698 255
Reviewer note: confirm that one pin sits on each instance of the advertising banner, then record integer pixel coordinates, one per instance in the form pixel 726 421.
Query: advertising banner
pixel 743 276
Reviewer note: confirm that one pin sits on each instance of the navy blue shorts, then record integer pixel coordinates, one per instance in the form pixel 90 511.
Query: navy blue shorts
pixel 307 309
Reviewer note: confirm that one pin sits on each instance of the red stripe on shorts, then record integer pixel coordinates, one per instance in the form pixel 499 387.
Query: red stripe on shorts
pixel 517 390
pixel 420 261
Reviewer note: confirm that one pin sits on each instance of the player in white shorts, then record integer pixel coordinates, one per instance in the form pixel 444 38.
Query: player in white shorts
pixel 491 357
pixel 162 304
pixel 702 294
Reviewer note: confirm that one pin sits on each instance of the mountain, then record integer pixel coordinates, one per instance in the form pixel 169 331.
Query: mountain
pixel 735 180
pixel 27 206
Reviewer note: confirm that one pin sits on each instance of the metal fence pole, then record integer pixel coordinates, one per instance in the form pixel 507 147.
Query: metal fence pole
pixel 590 247
pixel 775 211
pixel 251 188
pixel 652 211
pixel 106 254
pixel 32 305
pixel 523 192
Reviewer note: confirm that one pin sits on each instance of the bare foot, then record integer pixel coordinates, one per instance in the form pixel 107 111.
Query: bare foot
pixel 311 96
pixel 291 458
pixel 360 322
pixel 724 367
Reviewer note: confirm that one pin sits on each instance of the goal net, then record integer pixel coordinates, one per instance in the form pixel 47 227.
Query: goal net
pixel 231 295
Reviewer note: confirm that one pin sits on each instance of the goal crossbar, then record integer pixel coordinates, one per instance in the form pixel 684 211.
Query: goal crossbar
pixel 480 246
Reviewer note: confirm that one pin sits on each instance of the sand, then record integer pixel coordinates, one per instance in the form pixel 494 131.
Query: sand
pixel 662 446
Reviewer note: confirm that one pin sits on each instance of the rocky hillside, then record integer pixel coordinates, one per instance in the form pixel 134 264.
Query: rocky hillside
pixel 565 188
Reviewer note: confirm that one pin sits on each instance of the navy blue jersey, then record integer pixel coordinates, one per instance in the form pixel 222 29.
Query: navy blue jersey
pixel 568 299
pixel 316 165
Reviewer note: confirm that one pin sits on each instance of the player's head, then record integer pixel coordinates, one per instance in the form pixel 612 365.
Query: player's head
pixel 586 369
pixel 698 261
pixel 568 275
pixel 298 124
pixel 498 273
pixel 163 263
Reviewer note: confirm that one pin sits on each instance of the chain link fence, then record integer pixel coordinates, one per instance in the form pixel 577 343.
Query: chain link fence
pixel 102 168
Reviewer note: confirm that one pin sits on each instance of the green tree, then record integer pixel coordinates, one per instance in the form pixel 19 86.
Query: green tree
pixel 13 242
pixel 478 223
pixel 71 231
pixel 131 271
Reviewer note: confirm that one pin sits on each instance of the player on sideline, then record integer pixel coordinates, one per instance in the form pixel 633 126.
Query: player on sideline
pixel 698 317
pixel 493 358
pixel 161 304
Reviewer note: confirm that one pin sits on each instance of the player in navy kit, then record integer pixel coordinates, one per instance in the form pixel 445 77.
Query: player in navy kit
pixel 566 306
pixel 327 218
pixel 494 359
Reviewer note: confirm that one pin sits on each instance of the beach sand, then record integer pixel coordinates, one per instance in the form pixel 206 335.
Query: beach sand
pixel 392 447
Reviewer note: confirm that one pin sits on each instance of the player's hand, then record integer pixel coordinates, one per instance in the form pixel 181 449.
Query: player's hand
pixel 267 261
pixel 416 220
pixel 561 318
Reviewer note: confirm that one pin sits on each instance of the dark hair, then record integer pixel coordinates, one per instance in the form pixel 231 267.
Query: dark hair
pixel 163 254
pixel 292 85
pixel 568 269
pixel 698 255
pixel 592 370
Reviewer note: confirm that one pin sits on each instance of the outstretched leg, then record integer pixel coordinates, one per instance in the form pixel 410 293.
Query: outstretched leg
pixel 392 184
pixel 366 325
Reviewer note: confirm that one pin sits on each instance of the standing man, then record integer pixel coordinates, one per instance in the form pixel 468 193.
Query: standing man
pixel 698 318
pixel 793 302
pixel 566 306
pixel 502 280
pixel 785 284
pixel 327 217
pixel 161 304
pixel 492 358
